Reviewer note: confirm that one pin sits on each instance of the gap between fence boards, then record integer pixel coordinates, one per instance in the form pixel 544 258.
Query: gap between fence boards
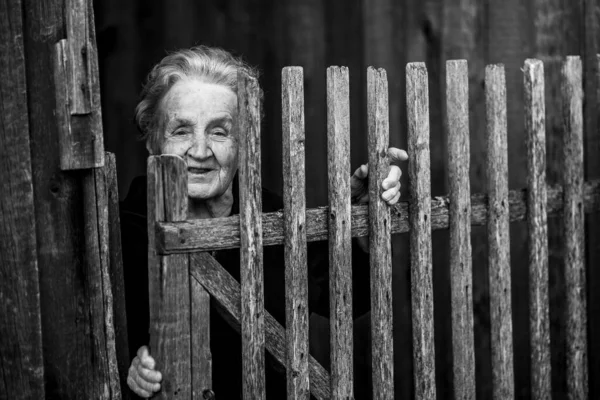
pixel 224 233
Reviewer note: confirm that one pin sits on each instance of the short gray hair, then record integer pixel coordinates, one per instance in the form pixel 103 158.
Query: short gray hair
pixel 210 64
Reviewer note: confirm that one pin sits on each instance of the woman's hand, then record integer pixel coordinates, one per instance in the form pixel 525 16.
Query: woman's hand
pixel 359 186
pixel 142 379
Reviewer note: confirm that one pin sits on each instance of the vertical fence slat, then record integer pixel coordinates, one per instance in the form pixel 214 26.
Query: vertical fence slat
pixel 498 233
pixel 380 248
pixel 251 254
pixel 417 100
pixel 463 347
pixel 572 97
pixel 340 241
pixel 539 305
pixel 168 279
pixel 294 214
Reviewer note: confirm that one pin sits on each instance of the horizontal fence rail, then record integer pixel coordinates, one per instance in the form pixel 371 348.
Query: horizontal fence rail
pixel 224 233
pixel 178 247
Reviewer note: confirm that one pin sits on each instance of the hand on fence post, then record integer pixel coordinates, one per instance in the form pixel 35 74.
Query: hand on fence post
pixel 390 186
pixel 142 379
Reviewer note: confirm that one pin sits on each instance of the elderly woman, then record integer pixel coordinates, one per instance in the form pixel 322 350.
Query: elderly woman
pixel 188 107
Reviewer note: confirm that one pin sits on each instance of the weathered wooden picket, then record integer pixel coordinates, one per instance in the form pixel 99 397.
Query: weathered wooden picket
pixel 179 248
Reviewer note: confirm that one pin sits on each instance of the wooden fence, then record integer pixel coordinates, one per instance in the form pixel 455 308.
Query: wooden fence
pixel 179 248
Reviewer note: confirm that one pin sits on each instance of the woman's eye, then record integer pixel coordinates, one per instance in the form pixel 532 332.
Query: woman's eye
pixel 179 132
pixel 219 132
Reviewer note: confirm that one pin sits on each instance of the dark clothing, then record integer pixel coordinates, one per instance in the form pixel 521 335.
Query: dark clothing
pixel 225 342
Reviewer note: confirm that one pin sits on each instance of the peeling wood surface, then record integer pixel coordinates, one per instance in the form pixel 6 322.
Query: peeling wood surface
pixel 461 272
pixel 498 234
pixel 224 233
pixel 417 100
pixel 340 239
pixel 168 280
pixel 380 240
pixel 294 218
pixel 539 304
pixel 226 291
pixel 251 254
pixel 574 244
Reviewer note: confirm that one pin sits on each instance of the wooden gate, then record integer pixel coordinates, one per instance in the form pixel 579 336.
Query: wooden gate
pixel 179 248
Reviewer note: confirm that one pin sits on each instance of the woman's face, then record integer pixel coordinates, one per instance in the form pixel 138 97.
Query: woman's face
pixel 198 123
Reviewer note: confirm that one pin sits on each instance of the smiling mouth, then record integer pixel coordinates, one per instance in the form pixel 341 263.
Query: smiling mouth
pixel 199 171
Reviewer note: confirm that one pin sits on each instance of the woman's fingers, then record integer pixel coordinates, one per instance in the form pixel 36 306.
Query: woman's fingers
pixel 397 155
pixel 149 375
pixel 136 389
pixel 145 357
pixel 393 178
pixel 143 379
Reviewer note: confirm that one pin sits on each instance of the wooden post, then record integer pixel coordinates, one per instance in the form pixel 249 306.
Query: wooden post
pixel 498 234
pixel 169 280
pixel 417 100
pixel 21 356
pixel 380 240
pixel 574 244
pixel 294 216
pixel 115 265
pixel 251 264
pixel 461 273
pixel 340 242
pixel 539 305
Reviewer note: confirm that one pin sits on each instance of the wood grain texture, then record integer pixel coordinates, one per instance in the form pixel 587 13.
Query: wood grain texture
pixel 461 273
pixel 79 71
pixel 169 281
pixel 75 363
pixel 115 265
pixel 251 254
pixel 294 224
pixel 21 358
pixel 590 15
pixel 226 291
pixel 417 100
pixel 97 284
pixel 200 331
pixel 572 96
pixel 498 234
pixel 539 305
pixel 340 240
pixel 75 68
pixel 224 233
pixel 380 244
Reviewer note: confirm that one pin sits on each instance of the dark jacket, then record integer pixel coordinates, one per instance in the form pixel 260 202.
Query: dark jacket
pixel 225 342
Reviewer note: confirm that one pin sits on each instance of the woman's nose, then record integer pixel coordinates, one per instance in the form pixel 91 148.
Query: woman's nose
pixel 200 148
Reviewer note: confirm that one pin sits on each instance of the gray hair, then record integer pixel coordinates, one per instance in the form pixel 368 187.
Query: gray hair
pixel 210 64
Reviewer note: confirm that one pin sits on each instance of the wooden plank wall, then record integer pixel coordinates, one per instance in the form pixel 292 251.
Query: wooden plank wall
pixel 68 246
pixel 21 358
pixel 315 34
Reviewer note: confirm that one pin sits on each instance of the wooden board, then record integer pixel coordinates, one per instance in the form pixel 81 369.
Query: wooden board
pixel 224 233
pixel 169 281
pixel 340 239
pixel 21 359
pixel 251 254
pixel 498 234
pixel 461 274
pixel 417 100
pixel 294 203
pixel 380 240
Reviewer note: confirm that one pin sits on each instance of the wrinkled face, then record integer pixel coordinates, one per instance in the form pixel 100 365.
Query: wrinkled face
pixel 198 124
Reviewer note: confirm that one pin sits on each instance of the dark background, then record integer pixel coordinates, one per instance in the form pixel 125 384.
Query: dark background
pixel 134 35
